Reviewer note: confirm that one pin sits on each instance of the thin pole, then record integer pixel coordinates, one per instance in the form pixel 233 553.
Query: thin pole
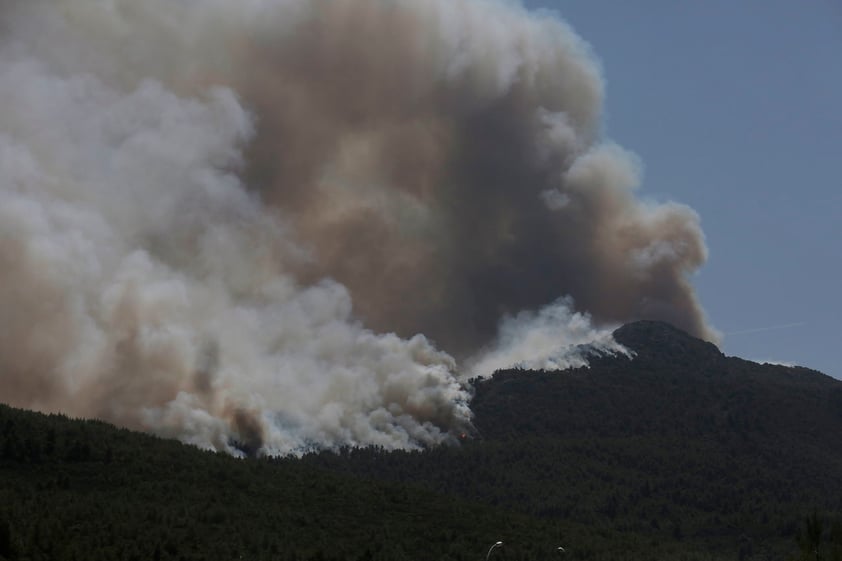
pixel 490 549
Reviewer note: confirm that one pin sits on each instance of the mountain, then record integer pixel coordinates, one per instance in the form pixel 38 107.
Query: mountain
pixel 680 444
pixel 676 385
pixel 676 453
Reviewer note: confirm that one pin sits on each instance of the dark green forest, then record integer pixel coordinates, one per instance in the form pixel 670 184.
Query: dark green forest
pixel 85 490
pixel 680 453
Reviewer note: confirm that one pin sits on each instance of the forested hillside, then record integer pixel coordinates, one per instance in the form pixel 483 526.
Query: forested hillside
pixel 82 490
pixel 681 443
pixel 680 453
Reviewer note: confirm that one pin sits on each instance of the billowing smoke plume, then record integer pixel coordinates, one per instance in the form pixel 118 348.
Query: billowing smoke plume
pixel 193 193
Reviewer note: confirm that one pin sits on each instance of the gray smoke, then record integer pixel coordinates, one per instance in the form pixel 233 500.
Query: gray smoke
pixel 194 192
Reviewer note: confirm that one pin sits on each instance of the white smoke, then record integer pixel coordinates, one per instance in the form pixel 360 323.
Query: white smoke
pixel 554 338
pixel 193 193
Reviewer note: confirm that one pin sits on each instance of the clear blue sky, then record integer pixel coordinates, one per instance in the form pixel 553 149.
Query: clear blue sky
pixel 735 108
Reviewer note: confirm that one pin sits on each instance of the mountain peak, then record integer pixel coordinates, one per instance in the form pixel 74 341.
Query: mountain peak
pixel 647 337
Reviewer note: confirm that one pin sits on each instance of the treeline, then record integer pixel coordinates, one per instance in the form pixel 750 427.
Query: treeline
pixel 95 492
pixel 83 490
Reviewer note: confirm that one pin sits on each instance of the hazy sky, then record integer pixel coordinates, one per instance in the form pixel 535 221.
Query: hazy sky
pixel 734 109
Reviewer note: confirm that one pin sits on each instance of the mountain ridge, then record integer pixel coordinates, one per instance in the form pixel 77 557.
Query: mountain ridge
pixel 696 383
pixel 679 452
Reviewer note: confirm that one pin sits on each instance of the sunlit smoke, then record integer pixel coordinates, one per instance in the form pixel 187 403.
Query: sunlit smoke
pixel 554 338
pixel 265 226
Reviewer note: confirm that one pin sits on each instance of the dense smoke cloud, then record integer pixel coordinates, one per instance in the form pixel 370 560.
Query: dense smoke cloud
pixel 442 160
pixel 194 193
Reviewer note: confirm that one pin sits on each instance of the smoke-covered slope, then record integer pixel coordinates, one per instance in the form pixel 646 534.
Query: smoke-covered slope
pixel 679 443
pixel 81 490
pixel 678 452
pixel 73 489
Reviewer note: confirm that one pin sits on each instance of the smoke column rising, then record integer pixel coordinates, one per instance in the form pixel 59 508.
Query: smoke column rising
pixel 194 193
